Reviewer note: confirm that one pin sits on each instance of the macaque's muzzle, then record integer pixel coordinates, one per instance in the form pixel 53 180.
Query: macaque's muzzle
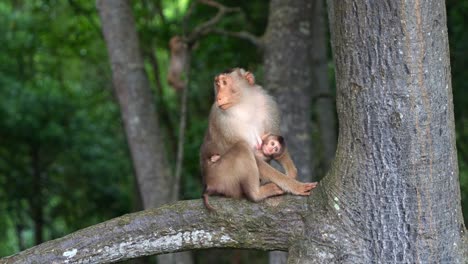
pixel 223 103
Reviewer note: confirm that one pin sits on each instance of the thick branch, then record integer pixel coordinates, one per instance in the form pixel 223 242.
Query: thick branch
pixel 180 226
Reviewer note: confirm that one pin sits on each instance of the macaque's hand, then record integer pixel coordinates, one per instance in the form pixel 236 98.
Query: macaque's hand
pixel 301 188
pixel 215 158
pixel 259 143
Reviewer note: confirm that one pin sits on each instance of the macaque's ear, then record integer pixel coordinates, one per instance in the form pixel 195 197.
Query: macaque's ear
pixel 249 77
pixel 281 141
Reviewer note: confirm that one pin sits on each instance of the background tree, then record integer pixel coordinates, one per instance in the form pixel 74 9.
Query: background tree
pixel 288 68
pixel 138 110
pixel 136 103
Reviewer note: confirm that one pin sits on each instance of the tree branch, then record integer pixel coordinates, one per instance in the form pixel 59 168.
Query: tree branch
pixel 184 225
pixel 257 41
pixel 205 28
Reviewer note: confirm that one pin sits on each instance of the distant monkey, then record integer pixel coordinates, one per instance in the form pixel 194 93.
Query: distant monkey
pixel 241 113
pixel 179 56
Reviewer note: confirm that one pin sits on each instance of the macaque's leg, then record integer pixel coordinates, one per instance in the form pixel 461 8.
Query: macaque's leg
pixel 287 164
pixel 255 192
pixel 287 184
pixel 241 175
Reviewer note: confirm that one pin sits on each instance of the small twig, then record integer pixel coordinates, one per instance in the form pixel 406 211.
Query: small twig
pixel 208 26
pixel 257 41
pixel 182 128
pixel 187 16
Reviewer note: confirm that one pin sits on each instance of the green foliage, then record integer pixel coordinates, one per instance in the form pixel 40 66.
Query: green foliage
pixel 61 141
pixel 457 12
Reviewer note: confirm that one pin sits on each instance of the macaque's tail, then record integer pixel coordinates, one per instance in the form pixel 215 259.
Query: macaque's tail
pixel 207 204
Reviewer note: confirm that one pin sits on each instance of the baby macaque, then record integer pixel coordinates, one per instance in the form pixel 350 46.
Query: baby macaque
pixel 270 147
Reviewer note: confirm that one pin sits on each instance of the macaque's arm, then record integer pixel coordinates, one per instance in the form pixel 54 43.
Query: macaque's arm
pixel 259 144
pixel 208 149
pixel 260 140
pixel 288 165
pixel 259 153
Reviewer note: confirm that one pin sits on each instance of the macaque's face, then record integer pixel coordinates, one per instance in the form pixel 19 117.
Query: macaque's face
pixel 271 147
pixel 228 92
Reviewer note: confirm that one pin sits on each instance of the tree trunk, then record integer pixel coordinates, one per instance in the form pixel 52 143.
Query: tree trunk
pixel 288 76
pixel 394 182
pixel 137 107
pixel 324 101
pixel 288 69
pixel 136 102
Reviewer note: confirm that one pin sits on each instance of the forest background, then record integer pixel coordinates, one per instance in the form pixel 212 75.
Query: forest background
pixel 64 160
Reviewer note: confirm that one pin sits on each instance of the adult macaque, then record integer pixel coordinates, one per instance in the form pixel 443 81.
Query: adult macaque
pixel 241 113
pixel 179 55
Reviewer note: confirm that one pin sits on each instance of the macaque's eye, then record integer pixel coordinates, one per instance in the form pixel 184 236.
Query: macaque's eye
pixel 224 82
pixel 272 143
pixel 276 149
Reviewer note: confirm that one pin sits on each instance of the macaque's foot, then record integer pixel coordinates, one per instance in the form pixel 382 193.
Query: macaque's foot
pixel 215 158
pixel 304 188
pixel 273 189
